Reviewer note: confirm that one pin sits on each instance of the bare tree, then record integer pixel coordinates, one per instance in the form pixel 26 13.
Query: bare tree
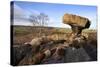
pixel 34 20
pixel 40 20
pixel 43 19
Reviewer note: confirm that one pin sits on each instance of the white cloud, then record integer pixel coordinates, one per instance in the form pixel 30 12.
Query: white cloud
pixel 22 22
pixel 19 12
pixel 21 16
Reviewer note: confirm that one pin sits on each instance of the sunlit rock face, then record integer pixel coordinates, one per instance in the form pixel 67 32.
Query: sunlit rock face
pixel 77 24
pixel 76 20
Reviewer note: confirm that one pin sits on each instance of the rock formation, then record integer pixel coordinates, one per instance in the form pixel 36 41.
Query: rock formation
pixel 77 24
pixel 49 49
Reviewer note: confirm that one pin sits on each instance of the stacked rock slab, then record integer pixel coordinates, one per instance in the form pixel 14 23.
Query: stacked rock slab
pixel 76 22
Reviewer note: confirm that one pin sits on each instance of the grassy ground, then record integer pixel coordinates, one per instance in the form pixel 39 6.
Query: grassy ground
pixel 23 34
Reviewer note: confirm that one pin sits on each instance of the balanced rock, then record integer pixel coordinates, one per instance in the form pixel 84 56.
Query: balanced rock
pixel 76 22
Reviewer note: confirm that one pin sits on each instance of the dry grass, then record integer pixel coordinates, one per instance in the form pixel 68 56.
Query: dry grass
pixel 24 34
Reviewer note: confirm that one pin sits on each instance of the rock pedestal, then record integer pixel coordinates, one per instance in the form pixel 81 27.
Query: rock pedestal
pixel 77 24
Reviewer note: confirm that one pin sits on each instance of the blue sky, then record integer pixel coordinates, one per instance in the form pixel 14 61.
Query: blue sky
pixel 22 10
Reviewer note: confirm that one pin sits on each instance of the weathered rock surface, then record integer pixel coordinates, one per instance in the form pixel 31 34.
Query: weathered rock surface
pixel 82 54
pixel 75 20
pixel 77 23
pixel 23 55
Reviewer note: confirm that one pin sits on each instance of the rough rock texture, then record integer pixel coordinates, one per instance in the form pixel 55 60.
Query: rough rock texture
pixel 25 55
pixel 76 20
pixel 84 53
pixel 77 23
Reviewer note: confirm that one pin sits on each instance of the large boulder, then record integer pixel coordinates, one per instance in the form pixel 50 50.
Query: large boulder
pixel 77 24
pixel 75 20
